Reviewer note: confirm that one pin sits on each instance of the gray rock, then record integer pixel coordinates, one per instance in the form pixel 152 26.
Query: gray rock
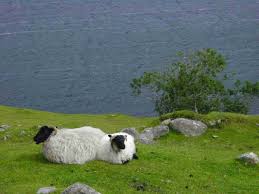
pixel 146 137
pixel 215 136
pixel 149 134
pixel 79 188
pixel 250 158
pixel 214 123
pixel 188 127
pixel 22 133
pixel 4 127
pixel 166 122
pixel 159 131
pixel 46 190
pixel 132 131
pixel 6 137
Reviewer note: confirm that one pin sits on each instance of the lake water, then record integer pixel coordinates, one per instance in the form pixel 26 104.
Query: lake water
pixel 79 56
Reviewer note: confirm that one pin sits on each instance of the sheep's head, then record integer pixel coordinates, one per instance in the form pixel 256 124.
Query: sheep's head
pixel 43 134
pixel 124 143
pixel 118 142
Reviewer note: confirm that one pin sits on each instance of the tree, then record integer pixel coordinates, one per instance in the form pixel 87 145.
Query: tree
pixel 193 83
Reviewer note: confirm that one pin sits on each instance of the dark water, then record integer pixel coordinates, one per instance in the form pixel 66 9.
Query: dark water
pixel 79 56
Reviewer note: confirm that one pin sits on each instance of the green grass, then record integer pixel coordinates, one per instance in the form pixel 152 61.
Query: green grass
pixel 174 164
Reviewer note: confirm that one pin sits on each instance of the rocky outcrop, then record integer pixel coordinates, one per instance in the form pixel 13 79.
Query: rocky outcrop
pixel 149 134
pixel 79 188
pixel 187 127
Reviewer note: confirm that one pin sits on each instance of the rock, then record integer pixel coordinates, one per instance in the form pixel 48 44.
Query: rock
pixel 6 137
pixel 149 134
pixel 22 133
pixel 159 131
pixel 214 123
pixel 79 188
pixel 166 122
pixel 188 127
pixel 257 124
pixel 146 137
pixel 215 136
pixel 132 131
pixel 4 127
pixel 46 190
pixel 250 158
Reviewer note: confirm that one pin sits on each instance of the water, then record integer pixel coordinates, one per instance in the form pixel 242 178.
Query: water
pixel 79 56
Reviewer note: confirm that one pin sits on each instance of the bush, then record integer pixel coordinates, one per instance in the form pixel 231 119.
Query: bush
pixel 193 83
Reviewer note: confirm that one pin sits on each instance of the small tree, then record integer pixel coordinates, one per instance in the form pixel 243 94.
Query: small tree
pixel 193 83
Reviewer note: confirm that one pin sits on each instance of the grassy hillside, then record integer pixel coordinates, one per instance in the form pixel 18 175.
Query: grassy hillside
pixel 174 164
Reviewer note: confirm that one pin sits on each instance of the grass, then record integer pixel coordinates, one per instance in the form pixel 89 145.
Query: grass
pixel 174 164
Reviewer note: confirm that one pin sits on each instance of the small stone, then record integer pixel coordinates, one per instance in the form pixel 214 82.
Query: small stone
pixel 4 127
pixel 212 123
pixel 6 137
pixel 79 188
pixel 132 131
pixel 215 136
pixel 166 122
pixel 46 190
pixel 257 124
pixel 250 158
pixel 22 133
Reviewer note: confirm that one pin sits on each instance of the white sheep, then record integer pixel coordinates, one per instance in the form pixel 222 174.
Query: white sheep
pixel 80 145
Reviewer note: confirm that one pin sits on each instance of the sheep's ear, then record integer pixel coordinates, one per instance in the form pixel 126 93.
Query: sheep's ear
pixel 110 135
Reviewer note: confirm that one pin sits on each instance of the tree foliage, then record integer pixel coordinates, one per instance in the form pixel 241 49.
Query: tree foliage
pixel 194 83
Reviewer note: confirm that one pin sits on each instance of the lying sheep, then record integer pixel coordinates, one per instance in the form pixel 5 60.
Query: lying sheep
pixel 80 145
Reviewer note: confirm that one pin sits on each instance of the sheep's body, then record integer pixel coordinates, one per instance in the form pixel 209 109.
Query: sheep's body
pixel 73 146
pixel 80 145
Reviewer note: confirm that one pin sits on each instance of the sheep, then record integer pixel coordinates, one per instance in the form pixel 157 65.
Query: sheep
pixel 81 145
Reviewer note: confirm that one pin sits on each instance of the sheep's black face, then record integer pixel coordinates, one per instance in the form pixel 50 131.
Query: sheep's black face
pixel 43 134
pixel 118 142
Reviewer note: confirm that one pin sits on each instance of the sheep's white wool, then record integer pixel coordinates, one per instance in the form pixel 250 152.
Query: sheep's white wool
pixel 80 145
pixel 73 146
pixel 106 153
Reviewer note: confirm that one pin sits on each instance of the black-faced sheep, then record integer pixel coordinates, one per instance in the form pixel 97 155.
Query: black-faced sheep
pixel 80 145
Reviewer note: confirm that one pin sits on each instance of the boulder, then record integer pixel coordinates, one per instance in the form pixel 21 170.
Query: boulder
pixel 188 127
pixel 149 134
pixel 160 130
pixel 146 137
pixel 46 190
pixel 250 158
pixel 132 131
pixel 79 188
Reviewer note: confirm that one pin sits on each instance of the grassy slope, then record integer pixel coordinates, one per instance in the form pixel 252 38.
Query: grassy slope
pixel 173 164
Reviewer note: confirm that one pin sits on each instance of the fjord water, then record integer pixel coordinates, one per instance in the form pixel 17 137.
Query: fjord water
pixel 79 56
